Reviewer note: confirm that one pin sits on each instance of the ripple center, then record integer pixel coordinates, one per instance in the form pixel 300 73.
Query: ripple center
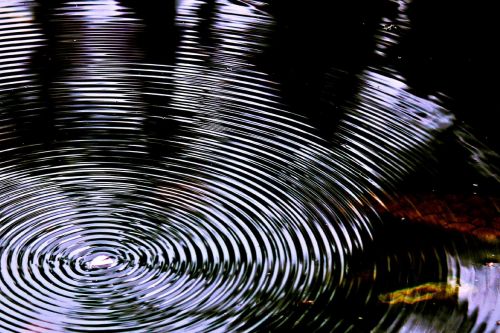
pixel 101 261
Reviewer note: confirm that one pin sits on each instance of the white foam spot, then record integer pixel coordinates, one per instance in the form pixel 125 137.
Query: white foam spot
pixel 101 261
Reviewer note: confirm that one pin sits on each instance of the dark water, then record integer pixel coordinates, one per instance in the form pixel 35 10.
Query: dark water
pixel 230 166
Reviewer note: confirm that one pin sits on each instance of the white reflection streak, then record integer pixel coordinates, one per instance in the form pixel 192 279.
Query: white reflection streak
pixel 385 109
pixel 236 40
pixel 390 29
pixel 98 100
pixel 95 10
pixel 19 39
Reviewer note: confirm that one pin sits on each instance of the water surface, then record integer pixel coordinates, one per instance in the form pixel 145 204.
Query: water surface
pixel 243 166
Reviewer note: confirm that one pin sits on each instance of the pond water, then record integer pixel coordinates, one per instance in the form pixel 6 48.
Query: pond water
pixel 248 166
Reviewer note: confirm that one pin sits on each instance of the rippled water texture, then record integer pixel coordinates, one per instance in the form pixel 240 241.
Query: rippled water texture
pixel 204 166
